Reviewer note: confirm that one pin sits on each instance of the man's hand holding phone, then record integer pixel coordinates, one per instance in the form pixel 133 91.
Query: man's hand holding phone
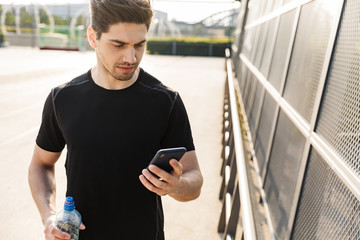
pixel 164 172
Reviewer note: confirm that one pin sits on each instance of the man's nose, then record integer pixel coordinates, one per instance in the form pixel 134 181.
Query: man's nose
pixel 129 56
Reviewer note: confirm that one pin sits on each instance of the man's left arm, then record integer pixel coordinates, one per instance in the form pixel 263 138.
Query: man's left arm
pixel 183 183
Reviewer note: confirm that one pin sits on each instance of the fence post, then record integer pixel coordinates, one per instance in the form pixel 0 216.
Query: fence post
pixel 210 48
pixel 174 47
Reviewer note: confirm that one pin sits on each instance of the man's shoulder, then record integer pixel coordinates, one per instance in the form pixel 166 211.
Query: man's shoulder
pixel 156 86
pixel 79 80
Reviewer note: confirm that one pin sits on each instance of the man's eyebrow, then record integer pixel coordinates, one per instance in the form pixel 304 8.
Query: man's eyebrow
pixel 141 42
pixel 124 43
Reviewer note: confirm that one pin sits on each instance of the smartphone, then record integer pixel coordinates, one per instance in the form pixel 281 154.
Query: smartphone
pixel 163 156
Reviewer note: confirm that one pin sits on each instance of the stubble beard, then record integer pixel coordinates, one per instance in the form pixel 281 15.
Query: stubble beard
pixel 122 76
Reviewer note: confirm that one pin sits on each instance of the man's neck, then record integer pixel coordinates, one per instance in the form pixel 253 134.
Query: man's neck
pixel 104 79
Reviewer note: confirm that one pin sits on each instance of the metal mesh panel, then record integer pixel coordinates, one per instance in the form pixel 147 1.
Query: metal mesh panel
pixel 307 60
pixel 264 131
pixel 252 96
pixel 248 91
pixel 327 209
pixel 242 76
pixel 265 62
pixel 255 108
pixel 247 75
pixel 260 45
pixel 339 118
pixel 287 1
pixel 282 174
pixel 262 7
pixel 275 4
pixel 257 39
pixel 268 6
pixel 247 79
pixel 248 42
pixel 253 10
pixel 281 49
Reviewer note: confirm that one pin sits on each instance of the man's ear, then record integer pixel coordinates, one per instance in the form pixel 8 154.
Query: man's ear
pixel 91 37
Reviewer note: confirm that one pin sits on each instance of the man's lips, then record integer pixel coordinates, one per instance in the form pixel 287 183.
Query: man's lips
pixel 126 68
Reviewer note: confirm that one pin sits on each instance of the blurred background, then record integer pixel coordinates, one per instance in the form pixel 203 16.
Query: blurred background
pixel 184 27
pixel 43 44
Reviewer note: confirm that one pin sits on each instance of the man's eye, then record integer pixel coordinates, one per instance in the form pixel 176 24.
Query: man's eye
pixel 139 45
pixel 118 46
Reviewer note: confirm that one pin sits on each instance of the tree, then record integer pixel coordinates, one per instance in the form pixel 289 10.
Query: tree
pixel 60 21
pixel 81 20
pixel 10 18
pixel 0 15
pixel 10 21
pixel 26 19
pixel 44 18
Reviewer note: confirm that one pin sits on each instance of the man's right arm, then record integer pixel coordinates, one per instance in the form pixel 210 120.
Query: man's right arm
pixel 42 183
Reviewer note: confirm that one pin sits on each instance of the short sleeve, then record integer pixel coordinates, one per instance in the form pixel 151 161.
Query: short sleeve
pixel 50 137
pixel 178 131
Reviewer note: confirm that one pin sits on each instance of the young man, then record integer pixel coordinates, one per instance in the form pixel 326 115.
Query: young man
pixel 113 119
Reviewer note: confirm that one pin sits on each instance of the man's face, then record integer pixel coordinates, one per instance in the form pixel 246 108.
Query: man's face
pixel 120 50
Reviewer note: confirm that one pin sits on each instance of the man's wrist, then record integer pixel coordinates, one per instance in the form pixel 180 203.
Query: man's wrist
pixel 50 214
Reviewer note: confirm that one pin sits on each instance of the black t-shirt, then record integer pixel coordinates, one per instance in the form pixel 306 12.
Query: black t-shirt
pixel 111 135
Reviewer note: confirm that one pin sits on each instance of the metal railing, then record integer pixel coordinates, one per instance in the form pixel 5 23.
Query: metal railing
pixel 297 68
pixel 234 192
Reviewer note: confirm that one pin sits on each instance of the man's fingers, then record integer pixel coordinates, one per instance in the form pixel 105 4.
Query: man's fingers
pixel 178 168
pixel 166 182
pixel 156 170
pixel 150 186
pixel 52 232
pixel 82 226
pixel 55 233
pixel 151 178
pixel 59 234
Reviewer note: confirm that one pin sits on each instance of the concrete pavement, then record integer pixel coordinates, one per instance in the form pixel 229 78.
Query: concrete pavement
pixel 26 77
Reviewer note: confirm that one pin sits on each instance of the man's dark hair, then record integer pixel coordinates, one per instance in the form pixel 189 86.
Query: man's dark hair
pixel 105 13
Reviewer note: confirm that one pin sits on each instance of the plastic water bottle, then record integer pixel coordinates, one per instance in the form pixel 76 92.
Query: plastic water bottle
pixel 68 220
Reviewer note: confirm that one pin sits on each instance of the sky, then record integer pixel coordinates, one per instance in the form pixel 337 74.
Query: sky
pixel 181 10
pixel 193 11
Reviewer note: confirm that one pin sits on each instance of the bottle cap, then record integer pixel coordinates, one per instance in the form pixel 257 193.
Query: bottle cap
pixel 69 204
